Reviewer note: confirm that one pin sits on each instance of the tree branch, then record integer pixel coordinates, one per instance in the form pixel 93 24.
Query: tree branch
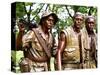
pixel 47 7
pixel 37 13
pixel 30 10
pixel 25 8
pixel 68 12
pixel 90 13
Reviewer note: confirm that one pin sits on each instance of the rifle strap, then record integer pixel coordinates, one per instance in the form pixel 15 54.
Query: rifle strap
pixel 42 43
pixel 80 48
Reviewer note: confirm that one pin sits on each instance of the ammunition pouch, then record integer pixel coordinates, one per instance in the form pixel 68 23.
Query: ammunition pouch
pixel 25 65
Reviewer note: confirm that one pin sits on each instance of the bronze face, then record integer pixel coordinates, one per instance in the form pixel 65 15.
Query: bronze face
pixel 49 22
pixel 78 20
pixel 90 23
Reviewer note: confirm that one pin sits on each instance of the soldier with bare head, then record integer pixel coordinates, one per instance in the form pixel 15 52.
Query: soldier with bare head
pixel 89 43
pixel 69 55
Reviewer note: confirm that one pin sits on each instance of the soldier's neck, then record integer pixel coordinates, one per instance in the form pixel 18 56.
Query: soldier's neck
pixel 90 32
pixel 77 30
pixel 45 30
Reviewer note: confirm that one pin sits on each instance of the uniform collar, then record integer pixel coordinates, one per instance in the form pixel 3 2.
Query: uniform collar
pixel 42 34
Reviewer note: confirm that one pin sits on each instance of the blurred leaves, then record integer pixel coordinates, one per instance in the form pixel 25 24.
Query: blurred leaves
pixel 31 12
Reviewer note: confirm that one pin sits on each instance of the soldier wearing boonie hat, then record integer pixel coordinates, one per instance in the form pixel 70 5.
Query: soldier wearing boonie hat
pixel 37 55
pixel 46 14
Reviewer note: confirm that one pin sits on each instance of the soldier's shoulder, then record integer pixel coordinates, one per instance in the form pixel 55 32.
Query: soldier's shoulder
pixel 29 32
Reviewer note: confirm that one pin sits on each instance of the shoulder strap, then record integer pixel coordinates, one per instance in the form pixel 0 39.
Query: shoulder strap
pixel 42 43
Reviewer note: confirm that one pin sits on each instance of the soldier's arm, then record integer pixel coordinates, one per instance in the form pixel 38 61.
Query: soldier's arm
pixel 61 47
pixel 19 40
pixel 19 37
pixel 27 38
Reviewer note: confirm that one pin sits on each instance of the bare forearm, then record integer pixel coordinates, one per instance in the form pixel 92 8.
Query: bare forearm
pixel 59 60
pixel 61 47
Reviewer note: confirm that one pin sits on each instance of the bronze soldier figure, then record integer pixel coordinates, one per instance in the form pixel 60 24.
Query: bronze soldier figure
pixel 37 44
pixel 69 55
pixel 89 43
